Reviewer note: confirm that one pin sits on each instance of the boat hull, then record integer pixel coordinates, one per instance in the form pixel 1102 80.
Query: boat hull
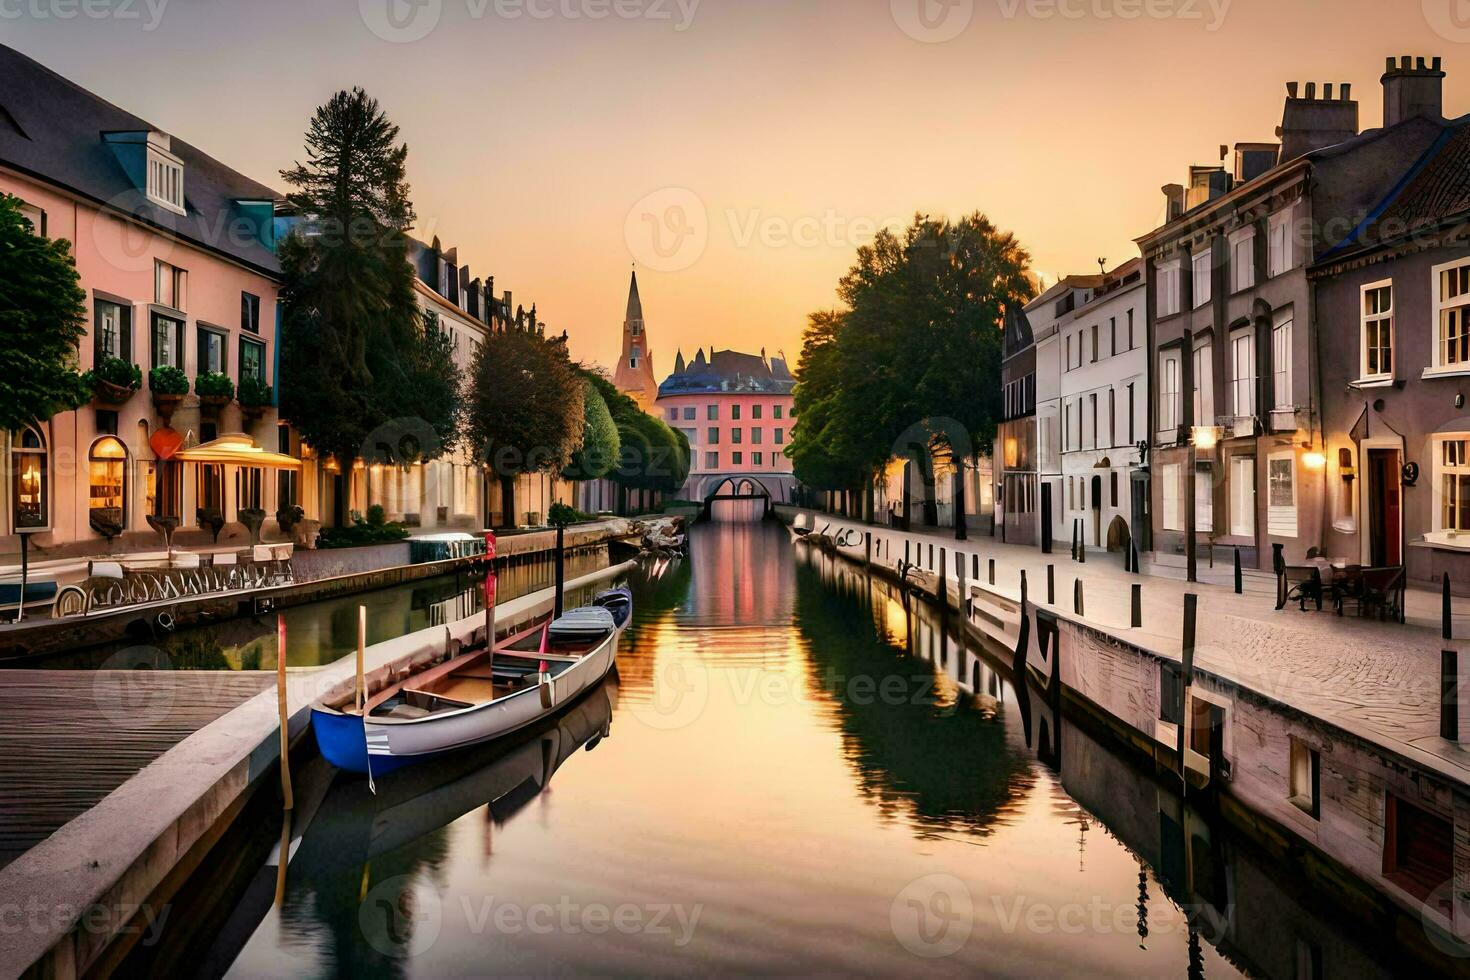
pixel 378 746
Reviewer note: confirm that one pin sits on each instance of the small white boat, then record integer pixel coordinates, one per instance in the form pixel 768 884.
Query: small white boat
pixel 474 697
pixel 799 527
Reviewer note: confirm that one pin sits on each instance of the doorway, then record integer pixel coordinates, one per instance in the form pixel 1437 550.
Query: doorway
pixel 1384 496
pixel 1097 496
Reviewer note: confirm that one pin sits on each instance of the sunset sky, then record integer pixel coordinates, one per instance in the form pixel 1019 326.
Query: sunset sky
pixel 763 139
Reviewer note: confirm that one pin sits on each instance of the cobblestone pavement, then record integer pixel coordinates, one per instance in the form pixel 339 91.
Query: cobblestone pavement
pixel 1379 680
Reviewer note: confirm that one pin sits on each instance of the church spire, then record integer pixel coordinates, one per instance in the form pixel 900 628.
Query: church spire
pixel 635 304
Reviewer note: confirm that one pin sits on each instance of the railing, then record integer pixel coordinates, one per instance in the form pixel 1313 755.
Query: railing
pixel 109 586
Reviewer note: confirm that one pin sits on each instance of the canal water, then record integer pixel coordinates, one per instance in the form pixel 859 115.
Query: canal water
pixel 793 770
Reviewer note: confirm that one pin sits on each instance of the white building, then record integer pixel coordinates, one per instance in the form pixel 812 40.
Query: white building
pixel 1103 410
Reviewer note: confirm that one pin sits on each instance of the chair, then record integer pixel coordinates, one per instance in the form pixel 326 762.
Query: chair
pixel 1347 586
pixel 1300 584
pixel 1383 592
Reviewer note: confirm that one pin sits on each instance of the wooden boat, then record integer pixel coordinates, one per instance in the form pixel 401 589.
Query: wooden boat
pixel 474 697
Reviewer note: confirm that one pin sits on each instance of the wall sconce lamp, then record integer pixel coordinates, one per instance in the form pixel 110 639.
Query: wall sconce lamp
pixel 1345 465
pixel 1205 437
pixel 1313 459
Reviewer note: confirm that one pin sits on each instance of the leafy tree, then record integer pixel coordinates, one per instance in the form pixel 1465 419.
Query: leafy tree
pixel 601 447
pixel 653 456
pixel 525 409
pixel 356 352
pixel 43 316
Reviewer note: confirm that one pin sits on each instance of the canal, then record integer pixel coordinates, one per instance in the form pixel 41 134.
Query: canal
pixel 794 770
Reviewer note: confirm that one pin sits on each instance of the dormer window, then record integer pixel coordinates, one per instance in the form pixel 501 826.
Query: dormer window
pixel 165 180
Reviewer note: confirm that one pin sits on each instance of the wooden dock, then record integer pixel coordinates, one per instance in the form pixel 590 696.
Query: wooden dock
pixel 69 738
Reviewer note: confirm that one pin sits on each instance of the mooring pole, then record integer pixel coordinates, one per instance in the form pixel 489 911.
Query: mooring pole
pixel 287 800
pixel 1077 597
pixel 1449 695
pixel 1191 604
pixel 1137 620
pixel 992 571
pixel 1051 585
pixel 1446 626
pixel 560 569
pixel 1239 575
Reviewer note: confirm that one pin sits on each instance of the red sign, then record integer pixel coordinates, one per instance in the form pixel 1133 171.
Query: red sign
pixel 166 442
pixel 490 589
pixel 489 544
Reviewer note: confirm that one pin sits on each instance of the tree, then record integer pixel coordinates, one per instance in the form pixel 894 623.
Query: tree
pixel 601 447
pixel 654 457
pixel 525 408
pixel 43 316
pixel 356 353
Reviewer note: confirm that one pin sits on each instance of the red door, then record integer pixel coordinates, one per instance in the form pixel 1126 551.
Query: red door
pixel 1384 546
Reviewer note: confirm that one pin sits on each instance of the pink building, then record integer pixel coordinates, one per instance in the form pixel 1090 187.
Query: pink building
pixel 175 253
pixel 737 412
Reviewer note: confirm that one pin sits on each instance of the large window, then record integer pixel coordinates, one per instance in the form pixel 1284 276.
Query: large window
pixel 736 434
pixel 1243 496
pixel 1169 394
pixel 170 285
pixel 106 483
pixel 167 341
pixel 712 412
pixel 1243 373
pixel 688 413
pixel 165 180
pixel 1204 496
pixel 1202 266
pixel 1170 474
pixel 714 435
pixel 1204 385
pixel 780 437
pixel 755 411
pixel 735 413
pixel 1454 483
pixel 112 331
pixel 252 360
pixel 250 312
pixel 212 347
pixel 1451 307
pixel 1281 362
pixel 711 461
pixel 1280 251
pixel 1243 259
pixel 1377 331
pixel 1281 488
pixel 1168 290
pixel 30 482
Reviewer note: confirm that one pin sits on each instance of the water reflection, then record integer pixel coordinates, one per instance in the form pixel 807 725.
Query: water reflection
pixel 781 813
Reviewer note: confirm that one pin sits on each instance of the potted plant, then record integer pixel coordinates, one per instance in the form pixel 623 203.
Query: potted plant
pixel 255 397
pixel 215 390
pixel 169 386
pixel 114 380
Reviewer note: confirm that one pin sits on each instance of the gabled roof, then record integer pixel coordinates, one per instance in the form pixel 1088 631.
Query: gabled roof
pixel 730 371
pixel 51 129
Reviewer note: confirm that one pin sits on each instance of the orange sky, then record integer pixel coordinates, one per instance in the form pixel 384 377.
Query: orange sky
pixel 771 136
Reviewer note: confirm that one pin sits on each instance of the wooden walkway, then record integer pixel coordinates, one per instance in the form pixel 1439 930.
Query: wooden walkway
pixel 69 738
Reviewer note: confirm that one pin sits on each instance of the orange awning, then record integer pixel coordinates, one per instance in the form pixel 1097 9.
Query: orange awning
pixel 237 449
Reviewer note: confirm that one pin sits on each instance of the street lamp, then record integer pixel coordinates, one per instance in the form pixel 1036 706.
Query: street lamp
pixel 1201 437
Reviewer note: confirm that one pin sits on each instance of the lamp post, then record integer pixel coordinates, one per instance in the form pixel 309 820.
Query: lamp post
pixel 1201 437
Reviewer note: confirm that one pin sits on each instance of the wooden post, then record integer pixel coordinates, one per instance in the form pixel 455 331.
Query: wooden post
pixel 1051 585
pixel 975 566
pixel 1191 604
pixel 1023 589
pixel 287 800
pixel 361 652
pixel 561 572
pixel 992 571
pixel 1077 597
pixel 1239 575
pixel 490 589
pixel 868 548
pixel 1447 627
pixel 1137 621
pixel 1449 691
pixel 943 587
pixel 1133 549
pixel 959 565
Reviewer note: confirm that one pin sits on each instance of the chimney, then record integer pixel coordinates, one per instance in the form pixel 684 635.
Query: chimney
pixel 1254 159
pixel 1205 184
pixel 1174 201
pixel 1412 88
pixel 1309 123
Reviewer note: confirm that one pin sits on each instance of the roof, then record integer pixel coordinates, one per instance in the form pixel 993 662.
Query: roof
pixel 1435 190
pixel 730 371
pixel 51 128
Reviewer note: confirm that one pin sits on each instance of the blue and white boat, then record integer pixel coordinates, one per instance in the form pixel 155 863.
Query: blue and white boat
pixel 474 698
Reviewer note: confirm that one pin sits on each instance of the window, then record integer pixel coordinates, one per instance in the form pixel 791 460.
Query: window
pixel 164 488
pixel 252 360
pixel 1092 408
pixel 1204 385
pixel 689 413
pixel 287 494
pixel 106 469
pixel 1243 259
pixel 1306 778
pixel 1243 496
pixel 1243 374
pixel 167 341
pixel 711 461
pixel 736 459
pixel 1130 330
pixel 755 435
pixel 1454 482
pixel 250 312
pixel 1169 394
pixel 712 412
pixel 30 486
pixel 1112 419
pixel 735 435
pixel 1168 290
pixel 633 358
pixel 1131 440
pixel 776 411
pixel 1204 495
pixel 112 331
pixel 755 411
pixel 1280 255
pixel 1418 851
pixel 673 415
pixel 757 459
pixel 169 285
pixel 1451 307
pixel 1202 265
pixel 1094 344
pixel 1067 363
pixel 36 216
pixel 636 328
pixel 1281 494
pixel 1170 476
pixel 1281 362
pixel 780 437
pixel 1112 335
pixel 211 350
pixel 443 278
pixel 209 480
pixel 1377 331
pixel 714 435
pixel 735 413
pixel 165 180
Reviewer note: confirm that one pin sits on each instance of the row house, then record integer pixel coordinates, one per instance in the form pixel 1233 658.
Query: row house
pixel 1236 431
pixel 1103 412
pixel 175 252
